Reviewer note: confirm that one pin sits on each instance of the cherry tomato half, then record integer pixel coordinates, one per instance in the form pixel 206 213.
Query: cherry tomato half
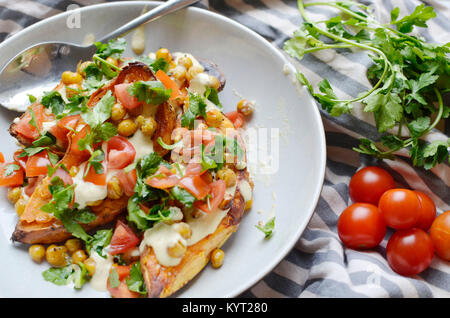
pixel 12 178
pixel 94 177
pixel 368 185
pixel 37 164
pixel 127 181
pixel 427 211
pixel 120 152
pixel 400 208
pixel 122 291
pixel 122 239
pixel 196 186
pixel 162 179
pixel 440 235
pixel 218 189
pixel 128 101
pixel 361 226
pixel 409 252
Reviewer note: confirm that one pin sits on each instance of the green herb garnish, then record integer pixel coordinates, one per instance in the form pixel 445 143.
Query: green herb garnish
pixel 409 75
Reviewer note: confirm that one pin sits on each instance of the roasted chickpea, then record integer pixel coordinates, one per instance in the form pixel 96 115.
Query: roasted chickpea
pixel 20 206
pixel 73 245
pixel 118 112
pixel 74 171
pixel 193 71
pixel 172 65
pixel 37 253
pixel 89 263
pixel 214 117
pixel 127 127
pixel 14 194
pixel 177 250
pixel 184 230
pixel 227 175
pixel 217 257
pixel 71 78
pixel 78 257
pixel 114 189
pixel 248 204
pixel 185 61
pixel 179 73
pixel 112 60
pixel 214 82
pixel 164 53
pixel 82 66
pixel 56 255
pixel 245 107
pixel 147 125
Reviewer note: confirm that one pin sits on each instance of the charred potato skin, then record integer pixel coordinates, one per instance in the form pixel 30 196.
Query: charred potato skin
pixel 164 281
pixel 166 119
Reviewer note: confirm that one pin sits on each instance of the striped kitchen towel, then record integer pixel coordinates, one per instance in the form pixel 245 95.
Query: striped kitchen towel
pixel 319 265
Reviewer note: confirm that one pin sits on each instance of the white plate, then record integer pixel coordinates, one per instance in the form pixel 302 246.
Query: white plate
pixel 253 68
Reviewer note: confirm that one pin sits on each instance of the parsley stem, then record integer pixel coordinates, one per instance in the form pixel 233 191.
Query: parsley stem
pixel 98 58
pixel 440 111
pixel 387 64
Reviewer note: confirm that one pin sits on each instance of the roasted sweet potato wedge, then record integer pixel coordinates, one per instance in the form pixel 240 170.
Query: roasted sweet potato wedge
pixel 163 281
pixel 54 231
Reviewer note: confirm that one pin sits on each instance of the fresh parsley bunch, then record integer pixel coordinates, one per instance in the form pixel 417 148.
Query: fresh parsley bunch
pixel 409 76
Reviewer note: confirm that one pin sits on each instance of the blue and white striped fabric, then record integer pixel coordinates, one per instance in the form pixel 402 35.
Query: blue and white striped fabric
pixel 319 265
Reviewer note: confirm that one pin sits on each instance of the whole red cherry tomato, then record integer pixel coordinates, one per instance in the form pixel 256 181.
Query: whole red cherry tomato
pixel 440 235
pixel 361 226
pixel 400 208
pixel 410 252
pixel 427 211
pixel 368 185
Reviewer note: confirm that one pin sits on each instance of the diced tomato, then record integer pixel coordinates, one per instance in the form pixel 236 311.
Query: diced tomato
pixel 74 148
pixel 123 271
pixel 162 179
pixel 64 127
pixel 22 161
pixel 24 127
pixel 120 152
pixel 32 184
pixel 122 291
pixel 236 118
pixel 127 181
pixel 122 239
pixel 217 194
pixel 37 164
pixel 194 169
pixel 124 97
pixel 12 180
pixel 96 178
pixel 196 186
pixel 169 84
pixel 2 158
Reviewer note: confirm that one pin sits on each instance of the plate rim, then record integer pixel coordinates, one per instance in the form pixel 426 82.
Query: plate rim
pixel 268 267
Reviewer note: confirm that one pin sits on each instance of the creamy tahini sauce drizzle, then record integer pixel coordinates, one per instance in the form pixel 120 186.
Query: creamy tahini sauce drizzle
pixel 160 237
pixel 246 190
pixel 87 191
pixel 163 235
pixel 142 144
pixel 102 268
